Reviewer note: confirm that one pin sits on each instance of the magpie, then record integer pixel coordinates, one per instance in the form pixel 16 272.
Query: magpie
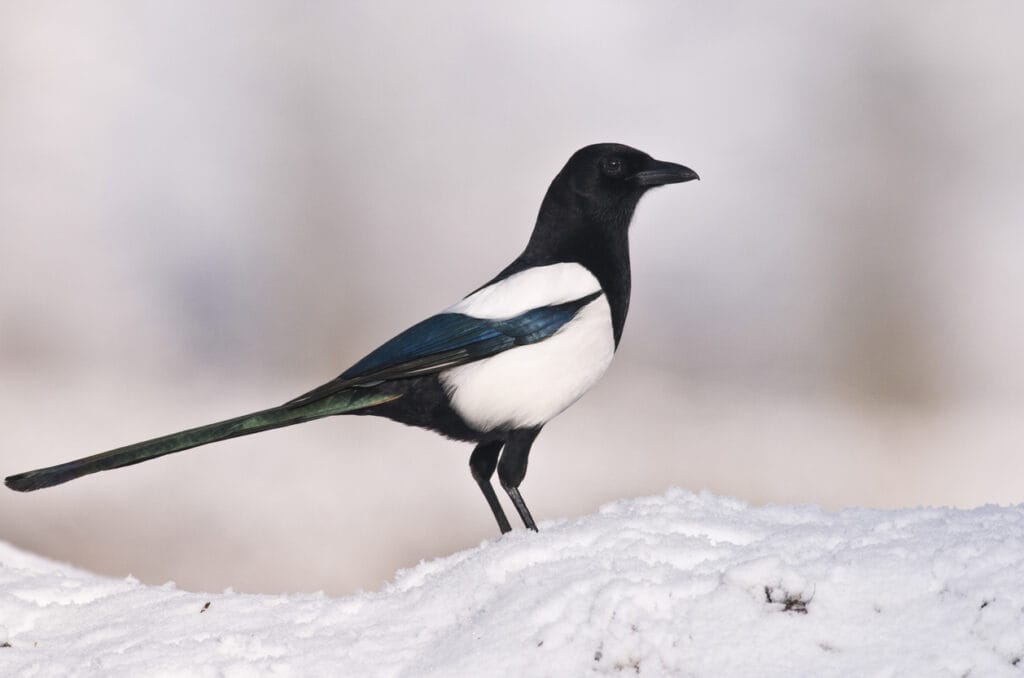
pixel 498 365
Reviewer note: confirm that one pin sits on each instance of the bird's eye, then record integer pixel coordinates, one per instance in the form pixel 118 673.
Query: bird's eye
pixel 612 166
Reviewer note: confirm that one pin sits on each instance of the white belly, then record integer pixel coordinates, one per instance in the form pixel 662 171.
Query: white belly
pixel 528 385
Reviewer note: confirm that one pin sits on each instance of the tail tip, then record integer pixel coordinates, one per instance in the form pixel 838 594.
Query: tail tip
pixel 21 482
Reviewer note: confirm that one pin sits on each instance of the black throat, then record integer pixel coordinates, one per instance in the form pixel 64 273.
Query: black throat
pixel 569 230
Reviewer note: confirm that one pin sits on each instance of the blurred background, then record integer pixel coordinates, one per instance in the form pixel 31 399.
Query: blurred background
pixel 208 208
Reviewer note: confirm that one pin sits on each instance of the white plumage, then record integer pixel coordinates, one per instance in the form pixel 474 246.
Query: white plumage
pixel 528 385
pixel 529 289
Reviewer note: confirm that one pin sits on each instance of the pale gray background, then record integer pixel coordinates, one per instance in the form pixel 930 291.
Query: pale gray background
pixel 207 208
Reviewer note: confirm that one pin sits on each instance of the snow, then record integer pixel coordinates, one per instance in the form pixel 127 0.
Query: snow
pixel 681 584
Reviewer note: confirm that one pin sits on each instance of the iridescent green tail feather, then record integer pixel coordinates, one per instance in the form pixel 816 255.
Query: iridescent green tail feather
pixel 276 417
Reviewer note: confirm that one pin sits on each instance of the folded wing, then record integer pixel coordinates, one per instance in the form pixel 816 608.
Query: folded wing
pixel 447 340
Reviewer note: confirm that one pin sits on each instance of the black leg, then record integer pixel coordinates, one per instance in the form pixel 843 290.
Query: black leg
pixel 512 469
pixel 481 464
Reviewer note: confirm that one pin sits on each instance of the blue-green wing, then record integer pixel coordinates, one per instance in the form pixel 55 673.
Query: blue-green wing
pixel 447 340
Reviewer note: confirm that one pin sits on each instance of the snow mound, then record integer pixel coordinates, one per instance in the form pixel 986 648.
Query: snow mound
pixel 681 585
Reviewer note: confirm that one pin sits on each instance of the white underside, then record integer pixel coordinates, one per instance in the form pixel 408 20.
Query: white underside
pixel 529 385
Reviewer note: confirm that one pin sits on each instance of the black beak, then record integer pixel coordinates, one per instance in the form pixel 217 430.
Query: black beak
pixel 659 173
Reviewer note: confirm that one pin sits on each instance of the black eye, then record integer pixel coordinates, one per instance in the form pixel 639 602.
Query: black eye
pixel 612 166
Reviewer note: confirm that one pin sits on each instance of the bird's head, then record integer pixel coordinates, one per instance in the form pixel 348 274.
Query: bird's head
pixel 610 177
pixel 600 187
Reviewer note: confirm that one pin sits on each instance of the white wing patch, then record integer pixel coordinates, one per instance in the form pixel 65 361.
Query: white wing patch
pixel 529 385
pixel 529 289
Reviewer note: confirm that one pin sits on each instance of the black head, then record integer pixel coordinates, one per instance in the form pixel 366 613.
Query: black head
pixel 607 180
pixel 594 196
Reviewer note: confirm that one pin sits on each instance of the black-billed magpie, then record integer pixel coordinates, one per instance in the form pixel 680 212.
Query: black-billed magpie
pixel 498 365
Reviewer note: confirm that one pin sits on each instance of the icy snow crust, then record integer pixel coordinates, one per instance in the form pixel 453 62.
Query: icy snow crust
pixel 681 585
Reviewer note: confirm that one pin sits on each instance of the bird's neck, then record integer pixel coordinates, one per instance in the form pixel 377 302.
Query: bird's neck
pixel 565 233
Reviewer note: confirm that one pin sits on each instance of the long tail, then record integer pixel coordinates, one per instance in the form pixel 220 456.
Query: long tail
pixel 275 417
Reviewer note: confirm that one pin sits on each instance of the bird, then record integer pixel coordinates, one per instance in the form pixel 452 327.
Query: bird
pixel 494 368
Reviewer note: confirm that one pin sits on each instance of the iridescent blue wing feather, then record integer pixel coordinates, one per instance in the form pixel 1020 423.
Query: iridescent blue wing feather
pixel 447 340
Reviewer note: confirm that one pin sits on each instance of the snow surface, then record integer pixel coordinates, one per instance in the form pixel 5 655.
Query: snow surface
pixel 681 584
